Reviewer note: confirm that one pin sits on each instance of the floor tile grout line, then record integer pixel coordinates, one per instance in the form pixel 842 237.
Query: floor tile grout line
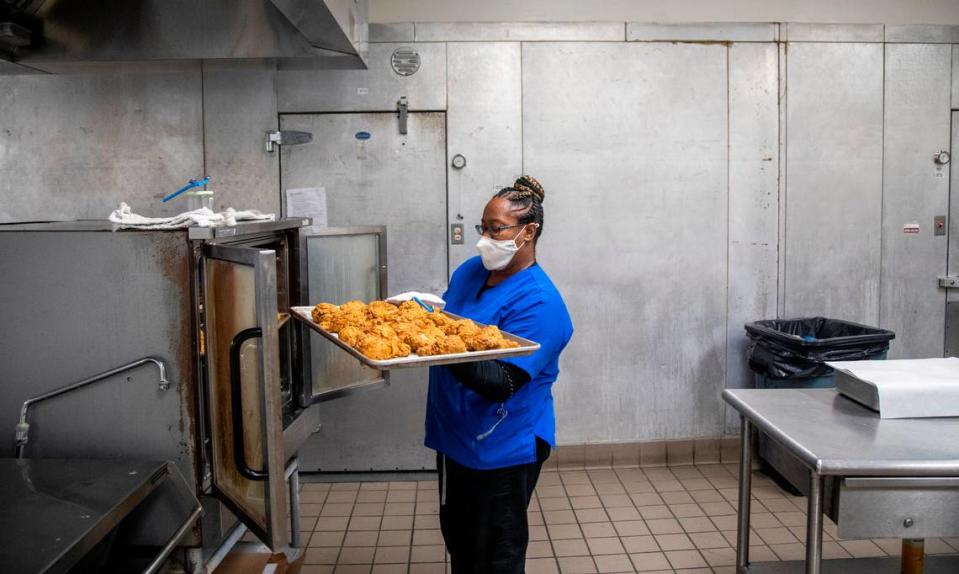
pixel 593 480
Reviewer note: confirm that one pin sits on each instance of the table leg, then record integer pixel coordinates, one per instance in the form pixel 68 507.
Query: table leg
pixel 293 480
pixel 745 492
pixel 913 556
pixel 814 524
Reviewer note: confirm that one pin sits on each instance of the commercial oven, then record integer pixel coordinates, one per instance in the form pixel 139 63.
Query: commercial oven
pixel 212 304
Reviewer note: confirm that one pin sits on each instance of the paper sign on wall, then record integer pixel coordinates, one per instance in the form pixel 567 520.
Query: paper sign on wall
pixel 307 202
pixel 910 228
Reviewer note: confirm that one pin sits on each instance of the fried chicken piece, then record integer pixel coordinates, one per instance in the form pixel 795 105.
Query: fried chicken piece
pixel 439 319
pixel 383 331
pixel 423 343
pixel 410 306
pixel 406 332
pixel 400 349
pixel 442 345
pixel 381 310
pixel 451 344
pixel 354 306
pixel 486 339
pixel 427 349
pixel 376 348
pixel 351 335
pixel 466 328
pixel 410 311
pixel 343 319
pixel 322 311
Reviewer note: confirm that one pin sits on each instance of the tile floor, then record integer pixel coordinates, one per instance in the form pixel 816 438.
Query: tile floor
pixel 666 520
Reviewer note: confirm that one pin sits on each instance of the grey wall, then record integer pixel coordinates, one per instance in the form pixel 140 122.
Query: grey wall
pixel 889 11
pixel 691 186
pixel 74 146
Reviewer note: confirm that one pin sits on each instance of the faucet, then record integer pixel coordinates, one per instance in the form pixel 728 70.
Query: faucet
pixel 23 428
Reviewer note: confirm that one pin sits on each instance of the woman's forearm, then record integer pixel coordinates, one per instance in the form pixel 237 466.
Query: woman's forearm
pixel 495 381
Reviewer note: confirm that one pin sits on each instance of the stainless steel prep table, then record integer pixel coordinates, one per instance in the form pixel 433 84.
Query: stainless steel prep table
pixel 53 512
pixel 838 439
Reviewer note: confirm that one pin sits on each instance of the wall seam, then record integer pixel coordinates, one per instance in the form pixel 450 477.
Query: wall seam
pixel 882 192
pixel 203 118
pixel 446 166
pixel 782 87
pixel 725 413
pixel 949 238
pixel 522 111
pixel 279 156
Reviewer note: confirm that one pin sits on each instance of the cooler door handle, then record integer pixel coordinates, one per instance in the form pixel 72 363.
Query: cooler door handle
pixel 236 400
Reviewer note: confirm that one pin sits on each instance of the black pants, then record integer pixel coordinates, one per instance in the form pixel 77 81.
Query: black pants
pixel 483 514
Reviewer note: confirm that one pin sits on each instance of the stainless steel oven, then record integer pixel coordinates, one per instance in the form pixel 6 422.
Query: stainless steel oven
pixel 213 304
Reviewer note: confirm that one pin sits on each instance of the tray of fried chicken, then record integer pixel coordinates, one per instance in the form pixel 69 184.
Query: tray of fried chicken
pixel 387 336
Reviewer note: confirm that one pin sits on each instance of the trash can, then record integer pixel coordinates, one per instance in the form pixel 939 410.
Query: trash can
pixel 791 354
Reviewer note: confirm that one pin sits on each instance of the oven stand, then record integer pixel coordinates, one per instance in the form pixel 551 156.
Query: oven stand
pixel 195 564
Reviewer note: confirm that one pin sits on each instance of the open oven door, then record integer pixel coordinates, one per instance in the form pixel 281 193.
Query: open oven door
pixel 243 387
pixel 342 264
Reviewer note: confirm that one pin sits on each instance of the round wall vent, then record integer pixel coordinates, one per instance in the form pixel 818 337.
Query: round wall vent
pixel 405 61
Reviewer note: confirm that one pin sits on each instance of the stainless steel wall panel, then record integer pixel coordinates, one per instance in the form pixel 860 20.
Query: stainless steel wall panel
pixel 397 181
pixel 239 107
pixel 60 328
pixel 520 31
pixel 915 190
pixel 629 140
pixel 803 32
pixel 753 202
pixel 834 186
pixel 387 179
pixel 783 178
pixel 74 147
pixel 703 32
pixel 484 124
pixel 374 90
pixel 955 79
pixel 394 32
pixel 952 295
pixel 922 34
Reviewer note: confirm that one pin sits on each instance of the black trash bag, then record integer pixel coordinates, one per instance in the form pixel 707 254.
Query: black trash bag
pixel 798 348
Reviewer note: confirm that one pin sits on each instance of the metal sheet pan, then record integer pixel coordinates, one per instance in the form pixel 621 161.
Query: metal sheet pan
pixel 526 347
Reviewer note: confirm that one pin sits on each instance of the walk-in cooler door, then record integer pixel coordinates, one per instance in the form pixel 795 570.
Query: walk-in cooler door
pixel 244 399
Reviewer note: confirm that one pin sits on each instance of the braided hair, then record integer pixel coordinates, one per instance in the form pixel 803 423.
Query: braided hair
pixel 526 196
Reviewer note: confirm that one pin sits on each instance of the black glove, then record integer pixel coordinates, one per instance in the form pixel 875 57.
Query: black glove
pixel 495 381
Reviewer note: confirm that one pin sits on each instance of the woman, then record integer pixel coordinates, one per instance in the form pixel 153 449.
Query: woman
pixel 492 422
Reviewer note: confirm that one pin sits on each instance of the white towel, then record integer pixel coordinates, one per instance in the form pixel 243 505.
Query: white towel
pixel 124 218
pixel 428 298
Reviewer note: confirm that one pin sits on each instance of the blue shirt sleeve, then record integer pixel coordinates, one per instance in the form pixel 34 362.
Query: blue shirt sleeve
pixel 537 321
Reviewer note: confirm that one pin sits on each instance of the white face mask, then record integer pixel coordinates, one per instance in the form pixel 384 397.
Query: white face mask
pixel 497 253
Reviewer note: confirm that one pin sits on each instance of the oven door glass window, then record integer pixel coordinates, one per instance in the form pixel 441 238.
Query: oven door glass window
pixel 343 264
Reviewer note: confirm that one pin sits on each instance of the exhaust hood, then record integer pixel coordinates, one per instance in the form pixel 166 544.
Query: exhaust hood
pixel 50 35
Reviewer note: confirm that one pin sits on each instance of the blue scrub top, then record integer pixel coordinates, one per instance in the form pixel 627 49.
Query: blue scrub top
pixel 459 421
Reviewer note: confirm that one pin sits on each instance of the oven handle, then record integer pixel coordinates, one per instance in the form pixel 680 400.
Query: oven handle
pixel 236 398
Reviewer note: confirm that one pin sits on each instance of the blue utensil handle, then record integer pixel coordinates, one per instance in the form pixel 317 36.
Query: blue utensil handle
pixel 192 183
pixel 423 305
